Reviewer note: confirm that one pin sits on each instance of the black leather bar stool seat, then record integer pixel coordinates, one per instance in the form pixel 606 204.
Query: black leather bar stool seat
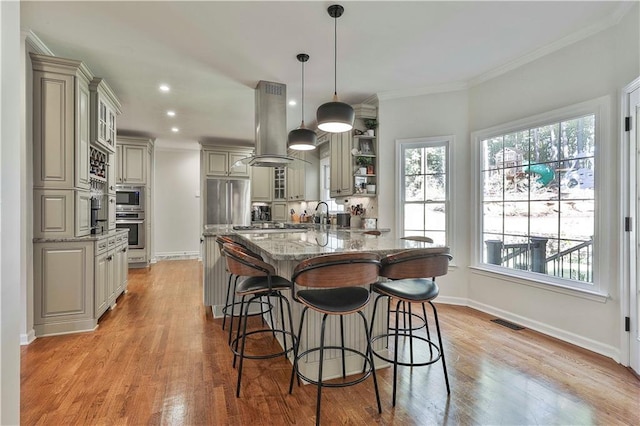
pixel 335 284
pixel 412 275
pixel 261 281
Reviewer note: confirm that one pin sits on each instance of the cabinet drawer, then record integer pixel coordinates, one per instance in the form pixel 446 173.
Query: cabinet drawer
pixel 101 246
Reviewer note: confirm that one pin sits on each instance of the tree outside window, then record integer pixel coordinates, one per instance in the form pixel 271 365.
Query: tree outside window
pixel 538 198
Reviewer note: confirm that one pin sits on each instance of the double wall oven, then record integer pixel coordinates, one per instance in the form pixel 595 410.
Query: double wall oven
pixel 130 214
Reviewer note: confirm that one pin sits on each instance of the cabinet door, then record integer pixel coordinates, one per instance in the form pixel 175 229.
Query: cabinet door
pixel 261 183
pixel 235 168
pixel 100 288
pixel 111 127
pixel 341 167
pixel 123 268
pixel 216 162
pixel 83 121
pixel 118 164
pixel 111 173
pixel 279 212
pixel 53 130
pixel 280 183
pixel 111 212
pixel 83 213
pixel 134 170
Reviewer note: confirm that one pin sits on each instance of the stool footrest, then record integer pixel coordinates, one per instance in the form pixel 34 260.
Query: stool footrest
pixel 365 374
pixel 284 335
pixel 434 358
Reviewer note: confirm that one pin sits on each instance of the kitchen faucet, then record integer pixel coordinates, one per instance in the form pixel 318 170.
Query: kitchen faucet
pixel 322 219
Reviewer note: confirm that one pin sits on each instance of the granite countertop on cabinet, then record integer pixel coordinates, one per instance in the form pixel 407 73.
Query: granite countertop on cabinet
pixel 90 237
pixel 315 242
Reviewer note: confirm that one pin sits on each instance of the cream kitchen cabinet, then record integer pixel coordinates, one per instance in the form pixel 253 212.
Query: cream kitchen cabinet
pixel 262 184
pixel 279 211
pixel 111 272
pixel 221 162
pixel 341 182
pixel 61 146
pixel 131 161
pixel 303 179
pixel 105 107
pixel 63 287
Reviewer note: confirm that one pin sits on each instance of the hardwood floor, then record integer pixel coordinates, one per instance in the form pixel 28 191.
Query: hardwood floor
pixel 160 358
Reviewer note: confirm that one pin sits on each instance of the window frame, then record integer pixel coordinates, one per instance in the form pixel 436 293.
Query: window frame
pixel 422 142
pixel 603 146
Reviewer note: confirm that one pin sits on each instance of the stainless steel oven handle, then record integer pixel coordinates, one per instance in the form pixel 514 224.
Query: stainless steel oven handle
pixel 129 222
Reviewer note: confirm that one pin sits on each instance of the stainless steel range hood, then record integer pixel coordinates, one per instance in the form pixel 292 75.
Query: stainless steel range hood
pixel 271 127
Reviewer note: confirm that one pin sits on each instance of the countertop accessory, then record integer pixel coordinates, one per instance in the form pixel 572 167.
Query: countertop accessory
pixel 302 139
pixel 335 116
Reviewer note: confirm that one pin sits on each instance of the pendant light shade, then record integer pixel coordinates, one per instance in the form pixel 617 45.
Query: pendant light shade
pixel 335 116
pixel 302 139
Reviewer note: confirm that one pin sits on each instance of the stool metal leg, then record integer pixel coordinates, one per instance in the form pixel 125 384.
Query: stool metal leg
pixel 344 368
pixel 370 354
pixel 395 354
pixel 232 306
pixel 235 356
pixel 296 348
pixel 226 302
pixel 444 364
pixel 319 399
pixel 426 326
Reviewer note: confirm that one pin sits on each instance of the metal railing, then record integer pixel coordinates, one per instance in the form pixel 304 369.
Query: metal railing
pixel 574 263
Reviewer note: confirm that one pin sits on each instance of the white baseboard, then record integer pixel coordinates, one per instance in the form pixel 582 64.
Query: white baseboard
pixel 177 255
pixel 27 338
pixel 575 339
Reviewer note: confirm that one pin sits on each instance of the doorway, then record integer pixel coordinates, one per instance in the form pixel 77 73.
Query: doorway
pixel 631 286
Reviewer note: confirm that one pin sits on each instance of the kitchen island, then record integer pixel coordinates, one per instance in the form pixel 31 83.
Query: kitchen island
pixel 284 249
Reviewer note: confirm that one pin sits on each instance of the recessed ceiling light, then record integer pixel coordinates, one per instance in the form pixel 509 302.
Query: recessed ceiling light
pixel 293 102
pixel 171 113
pixel 164 88
pixel 175 129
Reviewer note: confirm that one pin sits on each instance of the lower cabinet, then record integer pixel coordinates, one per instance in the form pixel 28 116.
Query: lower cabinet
pixel 76 281
pixel 111 271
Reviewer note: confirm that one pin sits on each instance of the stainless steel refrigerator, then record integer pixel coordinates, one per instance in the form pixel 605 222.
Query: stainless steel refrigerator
pixel 228 202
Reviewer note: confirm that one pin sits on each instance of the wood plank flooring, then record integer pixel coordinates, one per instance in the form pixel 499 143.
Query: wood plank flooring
pixel 160 358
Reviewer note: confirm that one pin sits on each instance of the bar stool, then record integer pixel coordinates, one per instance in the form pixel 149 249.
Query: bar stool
pixel 261 280
pixel 335 286
pixel 407 284
pixel 229 309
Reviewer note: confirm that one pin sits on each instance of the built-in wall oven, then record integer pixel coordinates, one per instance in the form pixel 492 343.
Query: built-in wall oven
pixel 129 198
pixel 134 222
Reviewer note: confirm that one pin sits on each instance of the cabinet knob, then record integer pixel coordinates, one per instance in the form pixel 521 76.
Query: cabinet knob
pixel 112 201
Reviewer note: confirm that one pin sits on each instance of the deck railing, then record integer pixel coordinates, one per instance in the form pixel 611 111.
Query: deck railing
pixel 573 263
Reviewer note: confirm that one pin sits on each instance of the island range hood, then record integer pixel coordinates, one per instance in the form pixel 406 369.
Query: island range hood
pixel 271 127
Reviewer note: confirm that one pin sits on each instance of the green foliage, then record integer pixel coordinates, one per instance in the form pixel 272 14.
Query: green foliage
pixel 364 161
pixel 370 123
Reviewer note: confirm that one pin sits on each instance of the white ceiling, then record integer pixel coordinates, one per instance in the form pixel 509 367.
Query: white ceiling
pixel 212 54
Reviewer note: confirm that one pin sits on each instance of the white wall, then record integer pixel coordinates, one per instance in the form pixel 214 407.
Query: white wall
pixel 597 66
pixel 12 226
pixel 176 202
pixel 438 114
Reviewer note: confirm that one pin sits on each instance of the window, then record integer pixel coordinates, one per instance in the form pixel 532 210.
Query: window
pixel 537 191
pixel 424 187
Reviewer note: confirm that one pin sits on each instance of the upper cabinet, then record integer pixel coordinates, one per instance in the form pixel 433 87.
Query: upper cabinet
pixel 61 147
pixel 60 123
pixel 303 177
pixel 225 162
pixel 105 107
pixel 341 180
pixel 262 184
pixel 132 160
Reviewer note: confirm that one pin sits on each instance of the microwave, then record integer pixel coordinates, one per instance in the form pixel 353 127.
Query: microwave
pixel 129 198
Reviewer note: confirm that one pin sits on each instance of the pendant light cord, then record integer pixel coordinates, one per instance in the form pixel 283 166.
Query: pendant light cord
pixel 335 56
pixel 302 94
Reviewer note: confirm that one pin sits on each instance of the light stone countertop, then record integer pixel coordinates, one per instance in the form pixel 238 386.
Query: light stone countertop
pixel 303 244
pixel 90 237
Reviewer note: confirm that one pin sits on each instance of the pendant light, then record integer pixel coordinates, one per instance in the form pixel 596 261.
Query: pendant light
pixel 335 116
pixel 302 139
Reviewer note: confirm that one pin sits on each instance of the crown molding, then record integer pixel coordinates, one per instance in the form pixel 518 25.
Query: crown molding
pixel 35 43
pixel 575 37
